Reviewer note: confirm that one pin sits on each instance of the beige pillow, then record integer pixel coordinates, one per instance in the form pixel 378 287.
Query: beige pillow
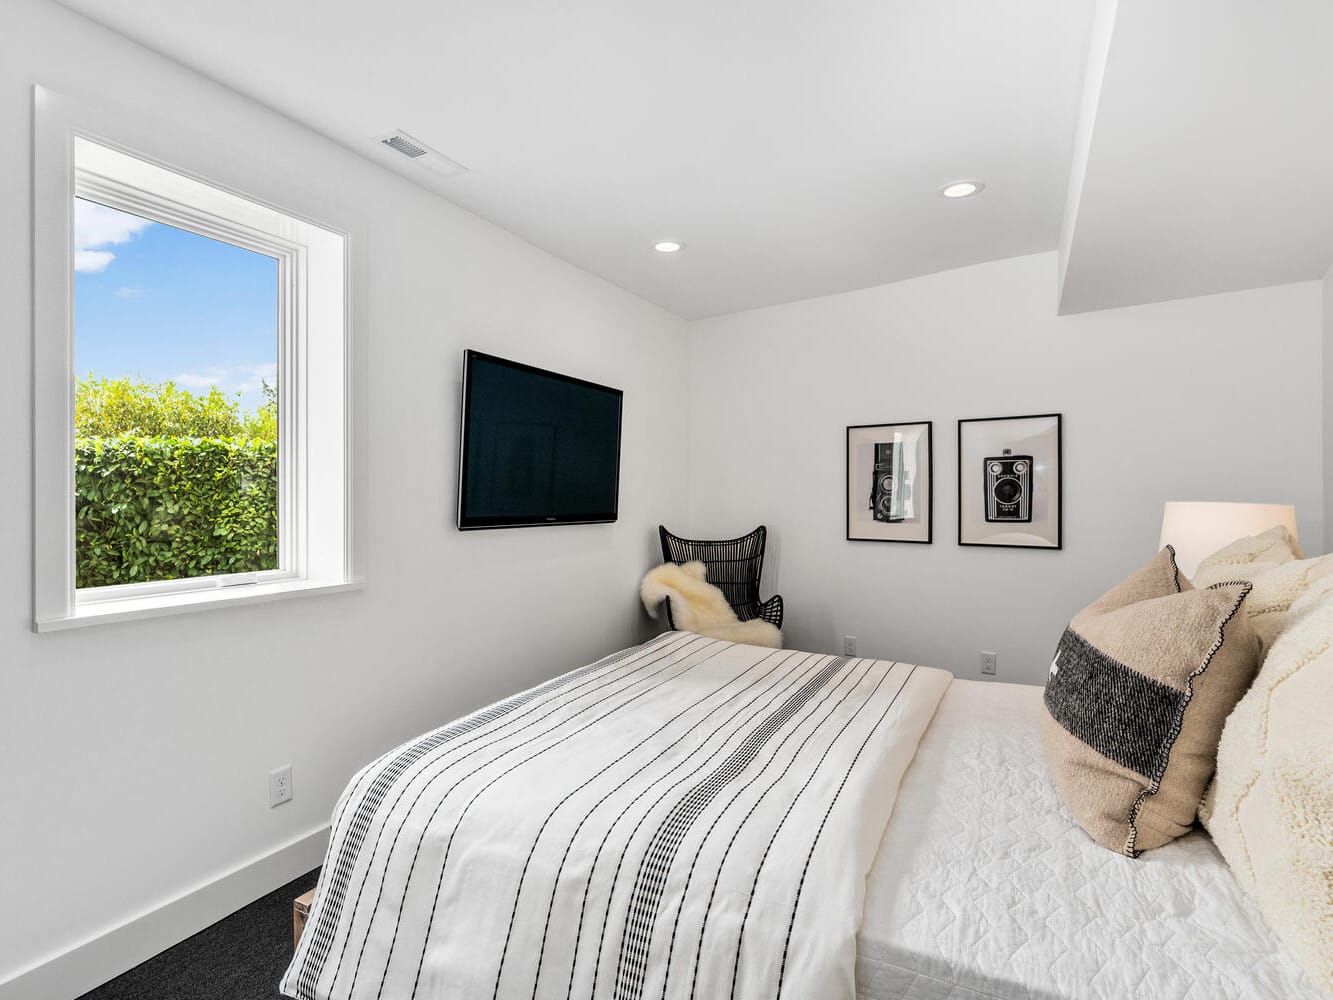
pixel 1270 809
pixel 1141 684
pixel 1279 572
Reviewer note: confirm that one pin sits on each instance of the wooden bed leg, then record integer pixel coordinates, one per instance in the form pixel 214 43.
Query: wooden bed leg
pixel 300 914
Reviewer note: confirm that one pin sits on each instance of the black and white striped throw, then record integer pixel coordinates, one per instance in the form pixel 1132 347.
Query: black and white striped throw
pixel 688 818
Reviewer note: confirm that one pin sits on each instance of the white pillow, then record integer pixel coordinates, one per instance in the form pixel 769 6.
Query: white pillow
pixel 1274 563
pixel 1270 807
pixel 1272 546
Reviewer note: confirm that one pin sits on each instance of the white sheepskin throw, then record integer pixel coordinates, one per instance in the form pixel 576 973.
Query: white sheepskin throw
pixel 697 606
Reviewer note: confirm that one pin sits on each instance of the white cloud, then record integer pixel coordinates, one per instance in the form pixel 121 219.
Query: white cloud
pixel 234 378
pixel 97 227
pixel 256 376
pixel 92 261
pixel 196 380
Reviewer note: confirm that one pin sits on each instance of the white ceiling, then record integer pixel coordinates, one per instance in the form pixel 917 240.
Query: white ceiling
pixel 795 147
pixel 1210 166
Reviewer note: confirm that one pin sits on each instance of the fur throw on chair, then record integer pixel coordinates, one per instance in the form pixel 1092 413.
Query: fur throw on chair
pixel 697 606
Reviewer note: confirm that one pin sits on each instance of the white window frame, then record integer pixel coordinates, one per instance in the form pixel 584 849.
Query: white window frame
pixel 74 157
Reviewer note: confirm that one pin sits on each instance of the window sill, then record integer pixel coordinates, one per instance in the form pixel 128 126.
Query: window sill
pixel 160 605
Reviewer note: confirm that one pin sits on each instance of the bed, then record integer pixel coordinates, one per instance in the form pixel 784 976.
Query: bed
pixel 697 819
pixel 984 887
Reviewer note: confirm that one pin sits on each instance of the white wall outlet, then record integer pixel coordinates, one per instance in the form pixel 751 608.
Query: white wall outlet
pixel 849 645
pixel 988 662
pixel 279 785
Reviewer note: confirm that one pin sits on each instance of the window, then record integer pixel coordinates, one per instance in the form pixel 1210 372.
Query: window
pixel 191 355
pixel 177 444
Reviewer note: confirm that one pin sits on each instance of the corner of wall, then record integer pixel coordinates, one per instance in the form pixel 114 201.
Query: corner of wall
pixel 1099 48
pixel 691 406
pixel 1326 382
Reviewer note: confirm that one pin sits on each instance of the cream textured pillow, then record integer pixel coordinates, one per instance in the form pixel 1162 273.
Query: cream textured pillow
pixel 1280 575
pixel 1272 546
pixel 1270 809
pixel 1141 684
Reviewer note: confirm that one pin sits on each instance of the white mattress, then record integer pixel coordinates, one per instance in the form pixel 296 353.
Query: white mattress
pixel 985 888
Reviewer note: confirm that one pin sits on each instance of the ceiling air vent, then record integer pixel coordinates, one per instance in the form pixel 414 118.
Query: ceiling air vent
pixel 404 146
pixel 419 153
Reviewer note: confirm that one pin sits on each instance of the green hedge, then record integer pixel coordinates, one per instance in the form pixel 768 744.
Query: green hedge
pixel 162 508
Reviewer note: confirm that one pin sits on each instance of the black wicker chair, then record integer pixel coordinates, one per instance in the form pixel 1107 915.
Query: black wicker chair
pixel 733 565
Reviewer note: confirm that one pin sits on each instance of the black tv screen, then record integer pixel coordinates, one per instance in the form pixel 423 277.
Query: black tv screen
pixel 537 447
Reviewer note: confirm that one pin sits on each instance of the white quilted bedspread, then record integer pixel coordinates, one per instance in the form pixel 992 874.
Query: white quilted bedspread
pixel 985 888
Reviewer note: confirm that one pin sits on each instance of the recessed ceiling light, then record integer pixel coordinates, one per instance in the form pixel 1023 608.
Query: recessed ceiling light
pixel 668 246
pixel 962 189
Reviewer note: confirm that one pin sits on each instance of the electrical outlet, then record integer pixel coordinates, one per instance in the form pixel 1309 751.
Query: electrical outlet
pixel 988 662
pixel 849 645
pixel 279 785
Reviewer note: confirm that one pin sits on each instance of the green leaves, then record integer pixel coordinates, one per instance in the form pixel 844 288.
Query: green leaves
pixel 172 484
pixel 171 507
pixel 131 407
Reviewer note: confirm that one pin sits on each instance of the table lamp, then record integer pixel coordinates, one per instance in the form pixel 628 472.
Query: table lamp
pixel 1197 529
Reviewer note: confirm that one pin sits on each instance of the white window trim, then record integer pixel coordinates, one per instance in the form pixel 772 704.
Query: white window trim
pixel 315 433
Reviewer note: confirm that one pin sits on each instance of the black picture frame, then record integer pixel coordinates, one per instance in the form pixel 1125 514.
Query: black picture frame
pixel 929 480
pixel 964 480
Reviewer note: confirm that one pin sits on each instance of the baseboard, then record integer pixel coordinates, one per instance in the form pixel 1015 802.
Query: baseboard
pixel 104 956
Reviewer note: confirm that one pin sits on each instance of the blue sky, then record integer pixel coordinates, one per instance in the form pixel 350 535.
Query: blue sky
pixel 153 300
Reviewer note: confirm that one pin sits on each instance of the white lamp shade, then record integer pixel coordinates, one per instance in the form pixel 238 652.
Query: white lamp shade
pixel 1196 529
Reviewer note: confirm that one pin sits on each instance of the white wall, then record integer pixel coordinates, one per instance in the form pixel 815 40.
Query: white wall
pixel 1215 398
pixel 133 758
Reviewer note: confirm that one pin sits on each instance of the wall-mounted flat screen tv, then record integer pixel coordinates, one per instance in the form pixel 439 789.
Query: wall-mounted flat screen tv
pixel 537 447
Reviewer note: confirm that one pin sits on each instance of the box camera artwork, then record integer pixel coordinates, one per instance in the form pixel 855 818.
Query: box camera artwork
pixel 889 483
pixel 891 489
pixel 1008 484
pixel 1010 490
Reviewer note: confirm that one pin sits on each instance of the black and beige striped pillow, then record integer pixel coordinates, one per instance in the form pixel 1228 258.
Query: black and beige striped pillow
pixel 1141 684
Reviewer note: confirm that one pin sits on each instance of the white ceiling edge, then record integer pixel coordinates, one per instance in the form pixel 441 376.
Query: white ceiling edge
pixel 797 150
pixel 1207 161
pixel 1170 94
pixel 1099 48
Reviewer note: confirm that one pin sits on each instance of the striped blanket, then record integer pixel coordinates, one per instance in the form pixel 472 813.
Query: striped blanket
pixel 688 818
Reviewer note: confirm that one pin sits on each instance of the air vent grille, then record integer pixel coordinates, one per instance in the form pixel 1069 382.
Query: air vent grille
pixel 404 146
pixel 422 156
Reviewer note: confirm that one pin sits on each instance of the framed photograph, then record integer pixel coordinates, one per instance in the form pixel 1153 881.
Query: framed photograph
pixel 1009 482
pixel 890 495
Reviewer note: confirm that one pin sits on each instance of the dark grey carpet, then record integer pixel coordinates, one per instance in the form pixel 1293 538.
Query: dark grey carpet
pixel 241 957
